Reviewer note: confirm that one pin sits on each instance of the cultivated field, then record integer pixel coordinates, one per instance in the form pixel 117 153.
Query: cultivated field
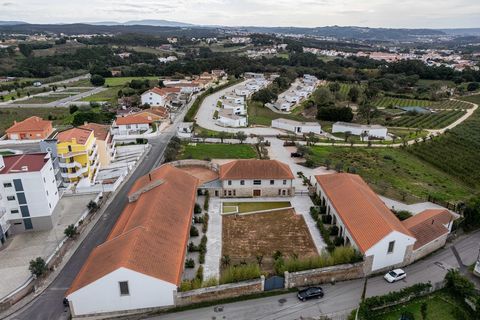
pixel 389 102
pixel 427 121
pixel 247 237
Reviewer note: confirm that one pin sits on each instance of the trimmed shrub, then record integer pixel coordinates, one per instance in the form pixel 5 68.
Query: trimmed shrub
pixel 189 263
pixel 327 219
pixel 193 231
pixel 240 273
pixel 334 231
pixel 197 209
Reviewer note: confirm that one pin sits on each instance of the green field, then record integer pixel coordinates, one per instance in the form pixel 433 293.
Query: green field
pixel 218 151
pixel 389 102
pixel 109 95
pixel 81 83
pixel 8 115
pixel 244 207
pixel 45 99
pixel 439 307
pixel 427 121
pixel 260 115
pixel 121 81
pixel 457 152
pixel 394 173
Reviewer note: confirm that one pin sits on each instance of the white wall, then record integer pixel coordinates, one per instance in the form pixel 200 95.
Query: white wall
pixel 380 132
pixel 299 128
pixel 130 129
pixel 249 184
pixel 153 99
pixel 103 295
pixel 381 257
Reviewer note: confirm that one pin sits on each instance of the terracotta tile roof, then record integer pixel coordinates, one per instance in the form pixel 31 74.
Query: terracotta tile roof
pixel 255 169
pixel 164 91
pixel 428 225
pixel 152 233
pixel 30 124
pixel 367 219
pixel 158 112
pixel 24 163
pixel 100 131
pixel 81 135
pixel 133 119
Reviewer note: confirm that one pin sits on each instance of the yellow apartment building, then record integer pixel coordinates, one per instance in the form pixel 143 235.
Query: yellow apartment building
pixel 78 155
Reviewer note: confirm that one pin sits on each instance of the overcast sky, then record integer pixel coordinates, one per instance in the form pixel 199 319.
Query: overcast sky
pixel 308 13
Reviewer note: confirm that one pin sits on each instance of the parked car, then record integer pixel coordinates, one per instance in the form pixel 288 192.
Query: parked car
pixel 395 275
pixel 296 155
pixel 310 293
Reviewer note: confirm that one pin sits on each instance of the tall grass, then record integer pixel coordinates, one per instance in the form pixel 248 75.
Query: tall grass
pixel 240 273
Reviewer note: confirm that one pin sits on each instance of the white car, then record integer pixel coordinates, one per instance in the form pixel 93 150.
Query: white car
pixel 395 275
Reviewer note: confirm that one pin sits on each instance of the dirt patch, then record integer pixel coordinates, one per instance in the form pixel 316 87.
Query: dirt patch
pixel 201 173
pixel 246 237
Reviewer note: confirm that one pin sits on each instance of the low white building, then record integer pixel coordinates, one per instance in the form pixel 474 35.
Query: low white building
pixel 293 98
pixel 238 109
pixel 364 221
pixel 370 131
pixel 226 118
pixel 141 263
pixel 131 125
pixel 159 97
pixel 242 91
pixel 185 130
pixel 28 192
pixel 283 105
pixel 297 127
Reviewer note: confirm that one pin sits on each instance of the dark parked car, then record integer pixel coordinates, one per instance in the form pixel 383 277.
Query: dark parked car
pixel 310 293
pixel 296 155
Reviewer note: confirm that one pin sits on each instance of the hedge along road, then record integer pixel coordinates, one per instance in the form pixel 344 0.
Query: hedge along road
pixel 204 119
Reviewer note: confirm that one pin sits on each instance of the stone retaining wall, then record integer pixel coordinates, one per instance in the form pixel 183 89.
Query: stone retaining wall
pixel 323 275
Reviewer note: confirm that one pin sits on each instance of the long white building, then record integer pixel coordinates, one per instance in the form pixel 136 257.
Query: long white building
pixel 28 192
pixel 373 131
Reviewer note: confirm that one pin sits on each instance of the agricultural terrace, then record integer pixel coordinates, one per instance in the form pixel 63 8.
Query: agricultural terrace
pixel 201 151
pixel 389 102
pixel 427 121
pixel 249 238
pixel 394 172
pixel 457 151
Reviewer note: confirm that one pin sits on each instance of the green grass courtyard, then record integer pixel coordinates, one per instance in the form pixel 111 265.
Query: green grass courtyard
pixel 245 207
pixel 202 151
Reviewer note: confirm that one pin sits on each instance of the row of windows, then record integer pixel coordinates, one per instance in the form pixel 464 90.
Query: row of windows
pixel 257 182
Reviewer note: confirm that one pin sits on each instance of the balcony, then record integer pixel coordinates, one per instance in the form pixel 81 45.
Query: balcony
pixel 94 153
pixel 70 165
pixel 74 175
pixel 71 154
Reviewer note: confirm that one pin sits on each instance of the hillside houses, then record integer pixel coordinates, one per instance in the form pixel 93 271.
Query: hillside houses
pixel 300 90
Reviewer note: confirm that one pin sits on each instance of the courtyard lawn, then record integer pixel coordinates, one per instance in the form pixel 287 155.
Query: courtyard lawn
pixel 202 151
pixel 8 115
pixel 439 307
pixel 394 173
pixel 247 238
pixel 245 207
pixel 260 115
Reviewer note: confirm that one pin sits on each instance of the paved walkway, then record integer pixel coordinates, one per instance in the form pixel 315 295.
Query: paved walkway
pixel 23 247
pixel 211 268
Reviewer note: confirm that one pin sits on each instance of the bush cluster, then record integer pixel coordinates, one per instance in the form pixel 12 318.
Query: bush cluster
pixel 202 247
pixel 240 273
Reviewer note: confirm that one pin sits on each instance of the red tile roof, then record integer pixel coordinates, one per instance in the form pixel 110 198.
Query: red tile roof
pixel 152 233
pixel 24 163
pixel 81 135
pixel 367 219
pixel 30 124
pixel 255 169
pixel 133 119
pixel 164 91
pixel 429 225
pixel 100 131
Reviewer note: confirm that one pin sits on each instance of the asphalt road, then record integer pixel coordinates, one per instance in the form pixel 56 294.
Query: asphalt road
pixel 340 298
pixel 48 305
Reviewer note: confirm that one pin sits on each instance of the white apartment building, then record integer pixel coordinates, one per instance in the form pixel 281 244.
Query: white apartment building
pixel 374 131
pixel 28 193
pixel 297 127
pixel 158 97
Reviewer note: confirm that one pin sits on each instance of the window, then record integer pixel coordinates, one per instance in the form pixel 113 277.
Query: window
pixel 10 198
pixel 391 246
pixel 242 182
pixel 14 211
pixel 229 182
pixel 21 198
pixel 28 224
pixel 272 182
pixel 284 182
pixel 257 182
pixel 124 290
pixel 7 185
pixel 25 211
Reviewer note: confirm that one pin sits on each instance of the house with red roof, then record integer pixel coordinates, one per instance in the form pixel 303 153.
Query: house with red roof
pixel 160 97
pixel 140 265
pixel 33 128
pixel 365 222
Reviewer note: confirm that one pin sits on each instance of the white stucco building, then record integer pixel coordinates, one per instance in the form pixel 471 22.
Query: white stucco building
pixel 372 131
pixel 28 192
pixel 159 97
pixel 140 265
pixel 227 118
pixel 297 127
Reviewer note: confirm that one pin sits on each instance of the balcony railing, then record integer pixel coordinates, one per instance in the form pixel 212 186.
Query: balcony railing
pixel 73 175
pixel 70 165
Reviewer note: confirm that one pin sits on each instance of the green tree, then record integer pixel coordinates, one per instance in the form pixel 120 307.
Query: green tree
pixel 97 80
pixel 37 267
pixel 354 94
pixel 334 87
pixel 367 111
pixel 222 135
pixel 241 136
pixel 70 231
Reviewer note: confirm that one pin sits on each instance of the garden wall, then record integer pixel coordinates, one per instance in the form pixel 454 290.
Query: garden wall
pixel 323 275
pixel 224 291
pixel 192 162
